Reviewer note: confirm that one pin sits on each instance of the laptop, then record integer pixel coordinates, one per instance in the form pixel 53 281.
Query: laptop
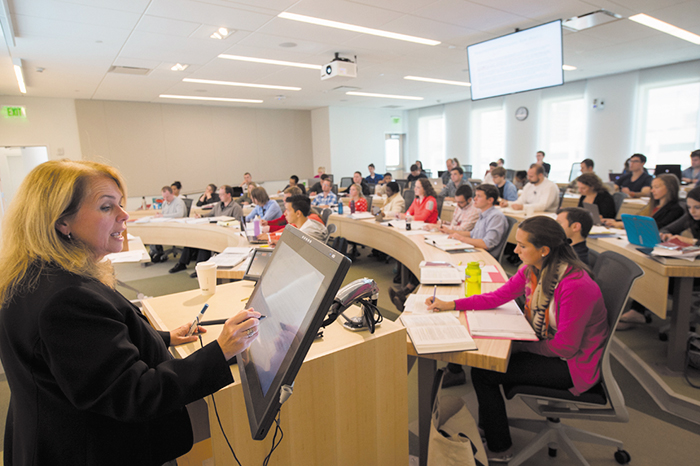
pixel 614 176
pixel 641 230
pixel 237 191
pixel 249 234
pixel 257 264
pixel 594 211
pixel 669 169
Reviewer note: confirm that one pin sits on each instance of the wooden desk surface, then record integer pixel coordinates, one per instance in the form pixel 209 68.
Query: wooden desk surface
pixel 344 395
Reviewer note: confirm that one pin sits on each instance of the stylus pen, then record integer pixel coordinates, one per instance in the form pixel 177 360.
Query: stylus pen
pixel 434 293
pixel 221 321
pixel 193 327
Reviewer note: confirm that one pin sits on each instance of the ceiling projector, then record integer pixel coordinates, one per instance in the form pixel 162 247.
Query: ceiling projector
pixel 339 68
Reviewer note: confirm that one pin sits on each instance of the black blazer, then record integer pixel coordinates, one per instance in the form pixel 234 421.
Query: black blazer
pixel 605 203
pixel 92 382
pixel 668 214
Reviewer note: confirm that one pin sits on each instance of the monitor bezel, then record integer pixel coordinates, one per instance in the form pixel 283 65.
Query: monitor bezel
pixel 263 409
pixel 561 36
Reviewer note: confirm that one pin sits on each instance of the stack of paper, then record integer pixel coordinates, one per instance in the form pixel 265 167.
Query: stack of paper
pixel 440 273
pixel 415 304
pixel 506 322
pixel 447 244
pixel 361 215
pixel 437 333
pixel 676 249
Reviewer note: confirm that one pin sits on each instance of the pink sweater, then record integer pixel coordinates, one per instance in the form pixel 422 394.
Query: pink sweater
pixel 582 326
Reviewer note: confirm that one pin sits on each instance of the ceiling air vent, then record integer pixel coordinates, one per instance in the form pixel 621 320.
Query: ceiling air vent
pixel 129 70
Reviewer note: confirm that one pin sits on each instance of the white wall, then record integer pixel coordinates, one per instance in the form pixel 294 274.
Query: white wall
pixel 610 132
pixel 48 122
pixel 355 138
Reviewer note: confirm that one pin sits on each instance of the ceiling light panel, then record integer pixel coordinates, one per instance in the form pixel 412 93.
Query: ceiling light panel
pixel 384 96
pixel 356 28
pixel 437 81
pixel 267 61
pixel 665 27
pixel 235 84
pixel 215 99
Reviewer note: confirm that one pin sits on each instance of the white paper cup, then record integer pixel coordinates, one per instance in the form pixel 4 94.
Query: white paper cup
pixel 206 274
pixel 529 210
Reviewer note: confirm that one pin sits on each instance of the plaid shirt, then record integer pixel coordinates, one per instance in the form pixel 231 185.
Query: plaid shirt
pixel 322 199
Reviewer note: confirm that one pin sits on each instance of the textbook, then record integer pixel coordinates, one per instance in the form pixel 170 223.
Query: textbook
pixel 440 273
pixel 505 322
pixel 676 249
pixel 446 244
pixel 437 333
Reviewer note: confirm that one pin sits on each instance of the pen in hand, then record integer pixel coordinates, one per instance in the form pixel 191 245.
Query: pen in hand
pixel 434 293
pixel 194 325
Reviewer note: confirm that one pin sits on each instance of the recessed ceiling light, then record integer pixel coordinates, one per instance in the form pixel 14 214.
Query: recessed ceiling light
pixel 179 67
pixel 288 45
pixel 221 33
pixel 17 63
pixel 665 27
pixel 354 28
pixel 568 67
pixel 270 62
pixel 219 99
pixel 437 81
pixel 230 83
pixel 385 96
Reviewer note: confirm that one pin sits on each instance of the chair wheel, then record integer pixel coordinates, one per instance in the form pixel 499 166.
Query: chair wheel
pixel 552 452
pixel 622 457
pixel 663 336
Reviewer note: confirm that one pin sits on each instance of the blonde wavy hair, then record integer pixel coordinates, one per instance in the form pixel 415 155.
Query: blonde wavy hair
pixel 52 192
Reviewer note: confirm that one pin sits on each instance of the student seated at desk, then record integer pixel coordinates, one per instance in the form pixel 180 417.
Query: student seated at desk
pixel 691 175
pixel 294 181
pixel 577 223
pixel 380 189
pixel 209 197
pixel 359 181
pixel 506 189
pixel 424 207
pixel 565 308
pixel 593 191
pixel 357 197
pixel 491 227
pixel 173 207
pixel 325 197
pixel 373 178
pixel 316 187
pixel 265 208
pixel 394 203
pixel 540 192
pixel 636 183
pixel 297 212
pixel 466 213
pixel 457 180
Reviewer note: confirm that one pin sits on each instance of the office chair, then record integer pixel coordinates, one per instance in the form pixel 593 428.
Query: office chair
pixel 345 182
pixel 188 206
pixel 325 213
pixel 615 275
pixel 408 196
pixel 440 202
pixel 618 198
pixel 561 197
pixel 498 252
pixel 402 184
pixel 369 203
pixel 592 258
pixel 334 189
pixel 330 229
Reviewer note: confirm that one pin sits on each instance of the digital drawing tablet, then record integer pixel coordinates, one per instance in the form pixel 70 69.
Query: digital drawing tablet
pixel 641 230
pixel 295 293
pixel 594 211
pixel 257 264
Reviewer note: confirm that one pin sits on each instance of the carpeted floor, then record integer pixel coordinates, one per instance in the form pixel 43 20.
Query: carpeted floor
pixel 652 436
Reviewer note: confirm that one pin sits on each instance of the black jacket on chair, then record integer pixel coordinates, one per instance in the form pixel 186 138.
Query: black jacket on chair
pixel 668 214
pixel 92 382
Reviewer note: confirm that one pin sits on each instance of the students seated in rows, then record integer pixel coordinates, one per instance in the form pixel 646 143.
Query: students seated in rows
pixel 585 167
pixel 355 195
pixel 176 187
pixel 593 191
pixel 225 208
pixel 465 213
pixel 373 178
pixel 394 204
pixel 173 207
pixel 541 193
pixel 326 198
pixel 565 308
pixel 663 206
pixel 636 183
pixel 294 181
pixel 507 190
pixel 414 175
pixel 210 196
pixel 276 224
pixel 316 188
pixel 265 208
pixel 488 177
pixel 540 161
pixel 491 227
pixel 520 179
pixel 320 171
pixel 424 207
pixel 456 181
pixel 380 190
pixel 297 211
pixel 449 163
pixel 419 164
pixel 691 174
pixel 577 223
pixel 358 180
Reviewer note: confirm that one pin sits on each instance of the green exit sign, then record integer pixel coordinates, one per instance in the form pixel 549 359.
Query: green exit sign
pixel 14 112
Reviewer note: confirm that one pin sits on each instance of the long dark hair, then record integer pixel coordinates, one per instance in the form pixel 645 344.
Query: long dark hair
pixel 693 224
pixel 428 189
pixel 544 231
pixel 672 188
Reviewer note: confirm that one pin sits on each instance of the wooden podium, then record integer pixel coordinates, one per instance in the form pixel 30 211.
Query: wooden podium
pixel 350 402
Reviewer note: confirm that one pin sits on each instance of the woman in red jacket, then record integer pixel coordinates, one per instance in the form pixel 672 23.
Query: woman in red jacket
pixel 424 207
pixel 356 195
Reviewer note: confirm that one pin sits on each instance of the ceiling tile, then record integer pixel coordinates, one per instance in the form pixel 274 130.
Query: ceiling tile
pixel 73 13
pixel 469 15
pixel 172 27
pixel 187 10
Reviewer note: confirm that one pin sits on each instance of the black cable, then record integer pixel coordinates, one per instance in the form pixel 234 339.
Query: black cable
pixel 274 446
pixel 213 398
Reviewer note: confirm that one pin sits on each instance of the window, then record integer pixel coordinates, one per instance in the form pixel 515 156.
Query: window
pixel 563 135
pixel 393 149
pixel 431 143
pixel 669 123
pixel 488 139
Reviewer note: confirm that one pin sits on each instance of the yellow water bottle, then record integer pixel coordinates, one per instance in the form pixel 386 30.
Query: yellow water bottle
pixel 472 279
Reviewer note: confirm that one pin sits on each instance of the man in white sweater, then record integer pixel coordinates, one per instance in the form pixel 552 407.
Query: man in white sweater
pixel 297 209
pixel 540 192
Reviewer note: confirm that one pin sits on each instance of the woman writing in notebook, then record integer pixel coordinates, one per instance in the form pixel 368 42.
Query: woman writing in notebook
pixel 565 308
pixel 424 207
